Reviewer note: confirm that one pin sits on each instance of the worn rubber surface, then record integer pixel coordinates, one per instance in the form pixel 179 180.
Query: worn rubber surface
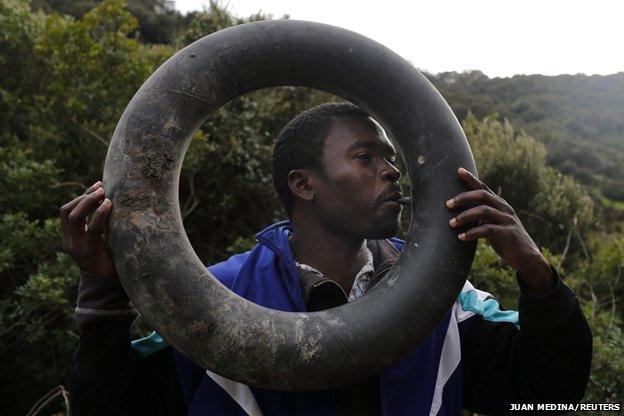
pixel 168 282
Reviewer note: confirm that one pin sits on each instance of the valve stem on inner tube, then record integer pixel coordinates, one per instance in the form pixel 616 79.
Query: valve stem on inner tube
pixel 406 200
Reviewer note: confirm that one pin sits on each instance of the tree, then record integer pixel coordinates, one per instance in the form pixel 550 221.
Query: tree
pixel 578 118
pixel 158 20
pixel 554 208
pixel 63 85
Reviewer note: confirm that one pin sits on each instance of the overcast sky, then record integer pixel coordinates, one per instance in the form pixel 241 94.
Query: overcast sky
pixel 499 37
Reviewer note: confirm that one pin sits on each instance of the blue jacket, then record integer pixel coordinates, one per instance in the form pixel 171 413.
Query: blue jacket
pixel 428 380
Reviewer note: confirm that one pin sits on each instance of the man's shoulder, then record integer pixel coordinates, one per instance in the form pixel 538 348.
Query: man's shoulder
pixel 226 271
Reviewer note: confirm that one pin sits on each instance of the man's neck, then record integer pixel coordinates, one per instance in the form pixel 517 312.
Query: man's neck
pixel 338 257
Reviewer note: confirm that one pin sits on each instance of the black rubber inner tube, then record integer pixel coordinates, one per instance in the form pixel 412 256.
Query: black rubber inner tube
pixel 168 282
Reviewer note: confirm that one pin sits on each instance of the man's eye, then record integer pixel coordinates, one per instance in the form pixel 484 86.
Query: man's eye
pixel 364 156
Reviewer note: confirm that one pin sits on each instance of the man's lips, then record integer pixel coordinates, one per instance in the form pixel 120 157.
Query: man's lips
pixel 392 194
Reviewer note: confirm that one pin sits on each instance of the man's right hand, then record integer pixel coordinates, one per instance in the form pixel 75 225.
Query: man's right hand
pixel 86 243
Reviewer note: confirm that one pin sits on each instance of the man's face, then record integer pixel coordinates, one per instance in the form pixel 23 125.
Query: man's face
pixel 358 194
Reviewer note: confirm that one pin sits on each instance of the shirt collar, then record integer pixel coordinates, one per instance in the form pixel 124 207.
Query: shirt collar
pixel 362 278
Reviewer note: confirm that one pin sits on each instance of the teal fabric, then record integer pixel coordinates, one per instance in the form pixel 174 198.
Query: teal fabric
pixel 148 345
pixel 489 309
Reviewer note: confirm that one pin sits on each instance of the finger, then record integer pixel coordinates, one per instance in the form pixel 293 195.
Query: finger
pixel 489 231
pixel 472 181
pixel 64 215
pixel 477 197
pixel 97 227
pixel 77 217
pixel 483 213
pixel 67 209
pixel 93 187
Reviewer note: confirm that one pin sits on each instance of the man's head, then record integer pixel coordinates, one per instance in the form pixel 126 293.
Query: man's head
pixel 334 165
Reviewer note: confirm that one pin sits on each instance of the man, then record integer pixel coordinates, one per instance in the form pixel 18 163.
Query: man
pixel 335 173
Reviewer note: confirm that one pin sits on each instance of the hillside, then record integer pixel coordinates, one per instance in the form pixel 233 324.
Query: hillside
pixel 580 118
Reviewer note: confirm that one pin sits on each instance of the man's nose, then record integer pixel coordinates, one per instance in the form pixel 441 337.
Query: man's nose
pixel 390 172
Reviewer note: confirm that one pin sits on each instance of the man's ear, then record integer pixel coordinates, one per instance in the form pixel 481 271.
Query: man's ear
pixel 300 182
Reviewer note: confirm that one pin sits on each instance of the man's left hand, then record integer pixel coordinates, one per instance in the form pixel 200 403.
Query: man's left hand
pixel 497 221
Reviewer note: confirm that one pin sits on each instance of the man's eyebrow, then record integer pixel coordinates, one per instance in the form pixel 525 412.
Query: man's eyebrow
pixel 370 144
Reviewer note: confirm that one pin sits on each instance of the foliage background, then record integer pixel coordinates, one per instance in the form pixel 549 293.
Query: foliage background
pixel 552 146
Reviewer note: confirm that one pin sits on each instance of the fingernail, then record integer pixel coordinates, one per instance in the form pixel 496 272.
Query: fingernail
pixel 449 203
pixel 462 170
pixel 99 191
pixel 104 204
pixel 452 222
pixel 95 185
pixel 462 236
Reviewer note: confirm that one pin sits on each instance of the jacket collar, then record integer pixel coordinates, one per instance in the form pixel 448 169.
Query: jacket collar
pixel 275 238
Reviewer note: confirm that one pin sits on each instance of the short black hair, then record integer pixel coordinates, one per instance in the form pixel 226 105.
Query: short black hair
pixel 301 142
